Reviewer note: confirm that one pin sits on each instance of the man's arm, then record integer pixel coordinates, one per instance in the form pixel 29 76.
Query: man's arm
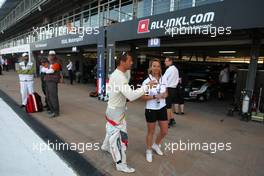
pixel 131 94
pixel 47 70
pixel 177 77
pixel 220 76
pixel 52 69
pixel 69 65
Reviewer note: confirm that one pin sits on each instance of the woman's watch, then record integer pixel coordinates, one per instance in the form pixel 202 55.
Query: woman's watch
pixel 154 97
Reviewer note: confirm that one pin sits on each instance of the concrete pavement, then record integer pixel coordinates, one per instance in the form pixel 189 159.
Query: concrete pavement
pixel 82 121
pixel 19 155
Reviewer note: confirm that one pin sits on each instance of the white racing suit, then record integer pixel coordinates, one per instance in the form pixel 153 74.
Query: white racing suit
pixel 26 80
pixel 116 139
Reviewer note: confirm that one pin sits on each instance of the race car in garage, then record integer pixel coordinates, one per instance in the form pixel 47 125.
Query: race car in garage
pixel 198 89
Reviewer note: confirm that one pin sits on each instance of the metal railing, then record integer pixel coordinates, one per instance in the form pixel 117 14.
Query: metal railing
pixel 20 11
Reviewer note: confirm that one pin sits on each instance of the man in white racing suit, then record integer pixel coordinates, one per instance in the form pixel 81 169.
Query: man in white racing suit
pixel 26 78
pixel 116 138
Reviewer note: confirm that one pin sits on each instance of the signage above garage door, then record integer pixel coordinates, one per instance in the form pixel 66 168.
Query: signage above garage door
pixel 237 14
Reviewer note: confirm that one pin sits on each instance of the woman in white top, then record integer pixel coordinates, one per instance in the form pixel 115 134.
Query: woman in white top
pixel 155 109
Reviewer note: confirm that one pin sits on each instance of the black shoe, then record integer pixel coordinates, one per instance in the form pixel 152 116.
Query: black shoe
pixel 53 115
pixel 22 106
pixel 172 123
pixel 50 112
pixel 182 113
pixel 176 113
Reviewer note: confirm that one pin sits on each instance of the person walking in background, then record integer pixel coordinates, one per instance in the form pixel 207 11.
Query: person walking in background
pixel 172 77
pixel 77 65
pixel 155 109
pixel 179 99
pixel 26 78
pixel 223 82
pixel 70 73
pixel 52 78
pixel 6 64
pixel 78 74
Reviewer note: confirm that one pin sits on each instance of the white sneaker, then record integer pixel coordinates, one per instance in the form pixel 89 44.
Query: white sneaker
pixel 105 148
pixel 157 149
pixel 149 155
pixel 124 168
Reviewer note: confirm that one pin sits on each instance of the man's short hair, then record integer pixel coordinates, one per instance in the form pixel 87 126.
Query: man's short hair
pixel 122 57
pixel 44 60
pixel 169 58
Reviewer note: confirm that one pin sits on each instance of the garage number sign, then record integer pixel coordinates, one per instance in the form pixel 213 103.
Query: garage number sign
pixel 154 42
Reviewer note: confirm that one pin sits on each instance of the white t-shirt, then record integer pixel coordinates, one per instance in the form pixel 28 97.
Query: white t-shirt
pixel 172 76
pixel 161 88
pixel 224 76
pixel 69 66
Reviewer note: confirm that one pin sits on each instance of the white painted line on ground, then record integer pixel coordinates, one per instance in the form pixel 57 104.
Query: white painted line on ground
pixel 17 156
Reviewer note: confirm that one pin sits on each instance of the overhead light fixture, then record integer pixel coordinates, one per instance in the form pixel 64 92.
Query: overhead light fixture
pixel 228 57
pixel 227 52
pixel 168 52
pixel 137 47
pixel 68 55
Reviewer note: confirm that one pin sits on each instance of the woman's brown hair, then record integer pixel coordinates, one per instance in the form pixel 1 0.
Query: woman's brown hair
pixel 150 65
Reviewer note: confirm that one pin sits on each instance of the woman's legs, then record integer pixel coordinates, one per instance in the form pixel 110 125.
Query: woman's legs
pixel 182 108
pixel 176 106
pixel 150 133
pixel 163 131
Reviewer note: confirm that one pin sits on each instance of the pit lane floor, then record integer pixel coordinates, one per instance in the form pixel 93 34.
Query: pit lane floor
pixel 82 121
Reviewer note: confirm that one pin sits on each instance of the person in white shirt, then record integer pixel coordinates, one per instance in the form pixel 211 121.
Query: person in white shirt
pixel 6 65
pixel 172 77
pixel 224 81
pixel 116 138
pixel 70 73
pixel 26 78
pixel 155 109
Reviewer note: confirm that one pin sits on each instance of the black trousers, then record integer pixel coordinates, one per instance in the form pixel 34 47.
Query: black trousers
pixel 52 96
pixel 6 68
pixel 70 76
